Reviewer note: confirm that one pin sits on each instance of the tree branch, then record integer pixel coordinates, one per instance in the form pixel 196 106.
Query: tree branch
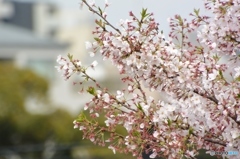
pixel 96 12
pixel 212 98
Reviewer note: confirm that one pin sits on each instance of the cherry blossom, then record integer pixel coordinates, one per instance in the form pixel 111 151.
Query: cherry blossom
pixel 196 84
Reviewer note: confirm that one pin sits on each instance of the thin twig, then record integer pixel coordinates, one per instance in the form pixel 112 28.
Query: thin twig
pixel 96 12
pixel 141 90
pixel 212 98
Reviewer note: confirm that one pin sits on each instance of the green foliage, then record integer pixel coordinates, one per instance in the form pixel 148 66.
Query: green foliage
pixel 17 125
pixel 92 91
pixel 15 86
pixel 238 96
pixel 144 14
pixel 196 11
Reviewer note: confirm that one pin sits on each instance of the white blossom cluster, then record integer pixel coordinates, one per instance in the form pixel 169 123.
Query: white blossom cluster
pixel 201 109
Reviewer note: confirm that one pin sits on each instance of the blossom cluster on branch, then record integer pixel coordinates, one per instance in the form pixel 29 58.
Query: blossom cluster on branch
pixel 201 107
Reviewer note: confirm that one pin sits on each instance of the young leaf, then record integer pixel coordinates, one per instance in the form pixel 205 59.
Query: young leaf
pixel 139 106
pixel 92 91
pixel 70 56
pixel 169 122
pixel 221 74
pixel 196 11
pixel 100 11
pixel 81 117
pixel 144 14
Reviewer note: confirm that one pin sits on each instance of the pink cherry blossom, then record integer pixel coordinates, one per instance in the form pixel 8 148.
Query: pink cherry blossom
pixel 196 85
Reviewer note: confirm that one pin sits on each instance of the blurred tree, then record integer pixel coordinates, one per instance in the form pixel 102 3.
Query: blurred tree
pixel 30 135
pixel 15 86
pixel 18 126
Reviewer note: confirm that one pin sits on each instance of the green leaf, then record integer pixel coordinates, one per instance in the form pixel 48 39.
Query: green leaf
pixel 196 11
pixel 70 56
pixel 180 20
pixel 238 78
pixel 99 23
pixel 169 122
pixel 136 133
pixel 221 74
pixel 100 11
pixel 92 91
pixel 99 41
pixel 81 117
pixel 139 106
pixel 190 131
pixel 216 57
pixel 144 14
pixel 238 96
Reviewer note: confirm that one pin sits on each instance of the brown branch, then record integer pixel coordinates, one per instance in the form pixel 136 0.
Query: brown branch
pixel 141 90
pixel 212 98
pixel 215 141
pixel 206 139
pixel 125 105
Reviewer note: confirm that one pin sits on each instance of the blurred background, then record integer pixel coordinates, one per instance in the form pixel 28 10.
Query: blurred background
pixel 37 107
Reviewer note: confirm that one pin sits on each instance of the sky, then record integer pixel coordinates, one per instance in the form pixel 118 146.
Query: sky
pixel 162 9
